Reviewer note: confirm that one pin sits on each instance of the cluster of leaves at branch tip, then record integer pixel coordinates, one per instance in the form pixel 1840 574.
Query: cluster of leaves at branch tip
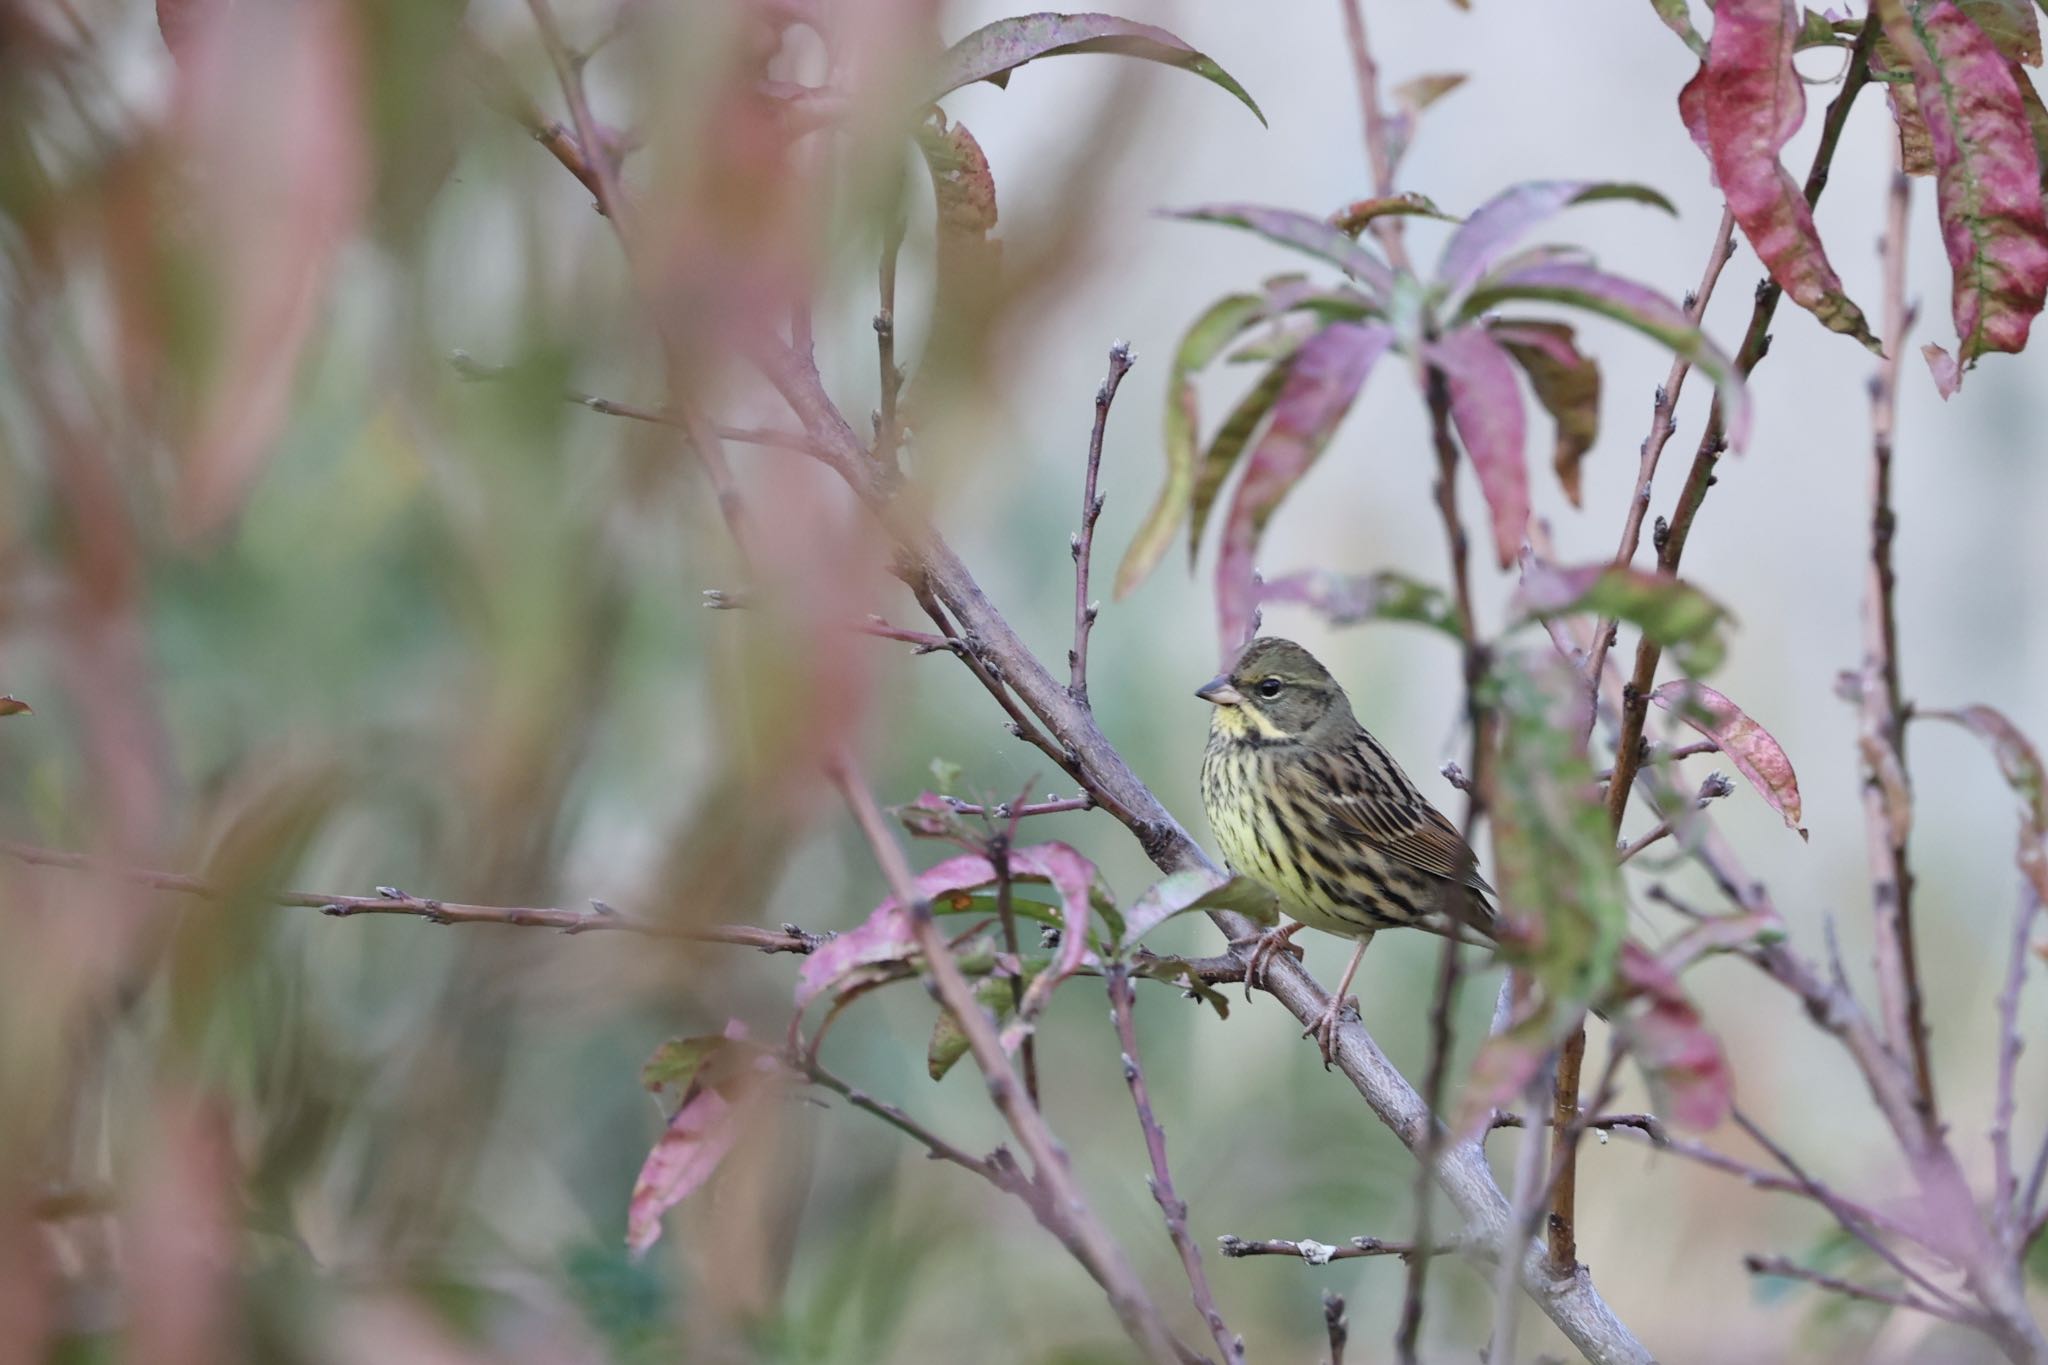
pixel 1325 342
pixel 1966 114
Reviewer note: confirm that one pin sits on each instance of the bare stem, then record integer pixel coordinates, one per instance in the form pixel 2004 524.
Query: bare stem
pixel 389 900
pixel 1120 362
pixel 1780 1268
pixel 1018 810
pixel 1122 1005
pixel 1378 140
pixel 2010 1213
pixel 1320 1253
pixel 1063 1207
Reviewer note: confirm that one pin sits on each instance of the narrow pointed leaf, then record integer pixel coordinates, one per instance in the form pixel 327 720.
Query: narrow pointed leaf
pixel 1486 408
pixel 2020 763
pixel 1682 1061
pixel 1677 17
pixel 1215 329
pixel 948 1043
pixel 1321 385
pixel 1675 614
pixel 1303 233
pixel 1191 890
pixel 1563 913
pixel 1500 223
pixel 1566 383
pixel 992 52
pixel 1751 101
pixel 1987 173
pixel 1750 747
pixel 1629 303
pixel 1348 599
pixel 1355 217
pixel 1230 442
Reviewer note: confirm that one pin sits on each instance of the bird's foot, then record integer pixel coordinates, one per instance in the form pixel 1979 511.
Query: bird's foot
pixel 1324 1029
pixel 1263 947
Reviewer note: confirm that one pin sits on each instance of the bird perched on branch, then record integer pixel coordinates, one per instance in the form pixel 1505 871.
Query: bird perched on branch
pixel 1305 801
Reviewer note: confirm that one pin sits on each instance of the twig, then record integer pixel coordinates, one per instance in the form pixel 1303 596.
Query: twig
pixel 999 845
pixel 503 90
pixel 1008 810
pixel 1322 1253
pixel 1171 1205
pixel 1336 1324
pixel 888 425
pixel 1387 227
pixel 1064 1208
pixel 1843 1215
pixel 1120 362
pixel 2008 1213
pixel 1898 967
pixel 1781 1268
pixel 1657 753
pixel 389 900
pixel 937 1147
pixel 1663 422
pixel 1713 789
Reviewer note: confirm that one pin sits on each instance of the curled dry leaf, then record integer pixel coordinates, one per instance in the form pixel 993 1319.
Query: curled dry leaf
pixel 2021 765
pixel 14 706
pixel 1566 382
pixel 992 52
pixel 1358 215
pixel 1320 387
pixel 1745 104
pixel 1987 172
pixel 1750 747
pixel 1486 408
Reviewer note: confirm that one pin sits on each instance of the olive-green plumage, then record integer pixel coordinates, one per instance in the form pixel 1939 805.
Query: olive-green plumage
pixel 1304 800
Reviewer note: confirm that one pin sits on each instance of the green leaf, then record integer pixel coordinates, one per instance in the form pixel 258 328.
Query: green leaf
pixel 1220 324
pixel 1303 233
pixel 992 52
pixel 676 1061
pixel 1177 971
pixel 1566 383
pixel 1196 888
pixel 1676 615
pixel 949 1043
pixel 945 776
pixel 1677 17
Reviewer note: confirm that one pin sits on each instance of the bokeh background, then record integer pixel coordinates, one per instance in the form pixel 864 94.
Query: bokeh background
pixel 296 603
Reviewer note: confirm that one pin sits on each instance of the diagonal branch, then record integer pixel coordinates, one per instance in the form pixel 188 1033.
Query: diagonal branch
pixel 1120 362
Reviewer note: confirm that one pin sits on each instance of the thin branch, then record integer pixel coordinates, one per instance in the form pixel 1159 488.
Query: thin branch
pixel 999 845
pixel 1779 1267
pixel 888 425
pixel 1322 1253
pixel 1658 753
pixel 1663 422
pixel 1122 1005
pixel 1713 789
pixel 2009 1214
pixel 389 900
pixel 501 88
pixel 937 1147
pixel 1018 810
pixel 1064 1209
pixel 1378 140
pixel 1120 361
pixel 1886 792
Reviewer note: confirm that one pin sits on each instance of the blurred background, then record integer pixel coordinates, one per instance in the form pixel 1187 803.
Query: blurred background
pixel 297 603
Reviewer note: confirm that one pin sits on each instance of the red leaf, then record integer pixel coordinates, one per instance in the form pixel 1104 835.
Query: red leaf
pixel 1553 280
pixel 1987 173
pixel 992 52
pixel 1748 745
pixel 1321 384
pixel 1486 407
pixel 700 1132
pixel 1074 877
pixel 1567 384
pixel 1505 219
pixel 886 934
pixel 1688 1074
pixel 1749 98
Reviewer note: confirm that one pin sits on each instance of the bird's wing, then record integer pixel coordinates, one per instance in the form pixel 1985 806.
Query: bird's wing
pixel 1421 837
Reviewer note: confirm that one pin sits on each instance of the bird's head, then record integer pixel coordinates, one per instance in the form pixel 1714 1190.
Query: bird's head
pixel 1276 691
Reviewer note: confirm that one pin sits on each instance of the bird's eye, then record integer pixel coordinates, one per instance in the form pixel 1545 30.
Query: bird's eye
pixel 1270 688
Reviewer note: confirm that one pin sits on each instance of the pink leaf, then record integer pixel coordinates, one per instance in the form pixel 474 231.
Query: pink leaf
pixel 1948 376
pixel 267 103
pixel 1303 233
pixel 1988 175
pixel 992 52
pixel 1750 99
pixel 1486 406
pixel 1688 1074
pixel 1633 305
pixel 1321 385
pixel 886 935
pixel 697 1138
pixel 1505 219
pixel 1567 384
pixel 1074 878
pixel 1749 746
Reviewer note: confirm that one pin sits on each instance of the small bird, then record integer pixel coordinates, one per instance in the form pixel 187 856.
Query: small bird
pixel 1303 800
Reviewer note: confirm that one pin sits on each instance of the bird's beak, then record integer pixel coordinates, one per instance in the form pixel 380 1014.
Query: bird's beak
pixel 1219 692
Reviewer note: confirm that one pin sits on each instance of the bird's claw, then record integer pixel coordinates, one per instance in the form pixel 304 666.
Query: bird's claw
pixel 1263 947
pixel 1324 1029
